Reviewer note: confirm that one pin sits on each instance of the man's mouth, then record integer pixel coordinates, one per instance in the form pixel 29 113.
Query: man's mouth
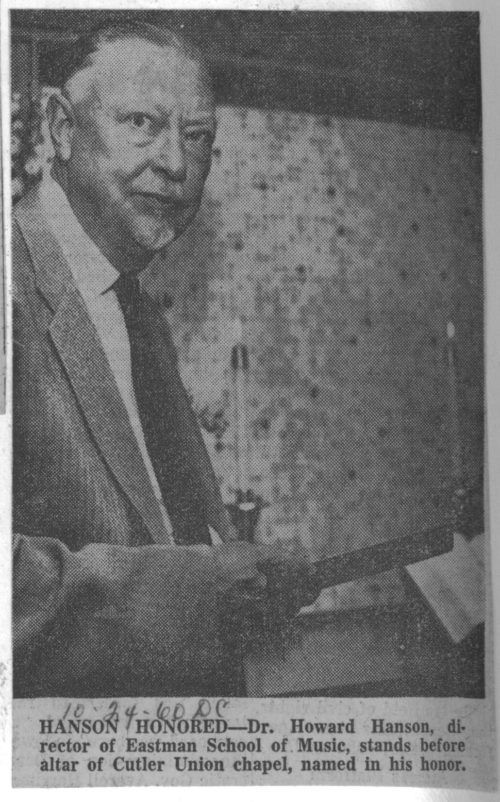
pixel 158 200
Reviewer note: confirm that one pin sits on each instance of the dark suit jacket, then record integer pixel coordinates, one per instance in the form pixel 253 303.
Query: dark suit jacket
pixel 104 602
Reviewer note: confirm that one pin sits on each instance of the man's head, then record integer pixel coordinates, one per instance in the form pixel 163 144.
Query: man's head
pixel 132 131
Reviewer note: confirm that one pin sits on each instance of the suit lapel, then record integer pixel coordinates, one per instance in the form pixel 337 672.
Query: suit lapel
pixel 77 343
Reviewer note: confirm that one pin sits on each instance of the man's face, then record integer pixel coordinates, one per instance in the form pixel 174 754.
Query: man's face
pixel 141 143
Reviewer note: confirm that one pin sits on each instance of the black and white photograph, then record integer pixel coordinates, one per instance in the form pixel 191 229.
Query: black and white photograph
pixel 246 378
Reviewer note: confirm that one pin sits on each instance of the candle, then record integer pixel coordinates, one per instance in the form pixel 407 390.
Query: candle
pixel 239 363
pixel 454 428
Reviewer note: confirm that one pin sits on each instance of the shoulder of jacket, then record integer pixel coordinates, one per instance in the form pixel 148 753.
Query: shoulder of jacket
pixel 22 265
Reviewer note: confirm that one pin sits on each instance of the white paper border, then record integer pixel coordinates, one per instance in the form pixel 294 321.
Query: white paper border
pixel 490 59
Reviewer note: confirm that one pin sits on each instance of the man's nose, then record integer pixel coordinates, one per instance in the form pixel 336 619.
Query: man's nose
pixel 169 156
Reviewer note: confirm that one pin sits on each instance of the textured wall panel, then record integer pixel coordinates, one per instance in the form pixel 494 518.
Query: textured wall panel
pixel 345 246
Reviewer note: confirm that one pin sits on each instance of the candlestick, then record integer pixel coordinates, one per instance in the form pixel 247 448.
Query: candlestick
pixel 246 509
pixel 239 363
pixel 454 427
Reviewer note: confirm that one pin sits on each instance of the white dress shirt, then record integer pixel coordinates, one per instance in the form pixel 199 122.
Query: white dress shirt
pixel 94 277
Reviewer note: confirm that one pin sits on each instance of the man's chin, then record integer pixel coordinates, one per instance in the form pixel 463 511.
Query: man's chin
pixel 153 240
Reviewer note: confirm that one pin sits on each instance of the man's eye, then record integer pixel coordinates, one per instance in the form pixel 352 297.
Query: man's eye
pixel 199 136
pixel 140 122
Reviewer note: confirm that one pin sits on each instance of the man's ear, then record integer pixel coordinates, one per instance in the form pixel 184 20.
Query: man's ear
pixel 61 122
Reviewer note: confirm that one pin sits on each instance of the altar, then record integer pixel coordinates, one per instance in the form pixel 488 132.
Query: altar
pixel 429 644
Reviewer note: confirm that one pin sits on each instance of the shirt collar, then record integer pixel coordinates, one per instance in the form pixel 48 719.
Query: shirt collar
pixel 92 272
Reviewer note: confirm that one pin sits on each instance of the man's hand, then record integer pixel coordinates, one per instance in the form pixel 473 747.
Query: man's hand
pixel 263 588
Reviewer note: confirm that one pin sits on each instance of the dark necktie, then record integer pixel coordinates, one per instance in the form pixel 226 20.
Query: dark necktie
pixel 178 481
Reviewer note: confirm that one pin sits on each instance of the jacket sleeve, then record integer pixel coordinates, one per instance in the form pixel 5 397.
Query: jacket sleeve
pixel 116 621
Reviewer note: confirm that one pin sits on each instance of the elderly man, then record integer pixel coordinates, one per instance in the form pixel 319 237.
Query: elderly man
pixel 124 567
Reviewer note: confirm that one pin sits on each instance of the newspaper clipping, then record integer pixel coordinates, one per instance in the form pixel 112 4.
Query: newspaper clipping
pixel 246 372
